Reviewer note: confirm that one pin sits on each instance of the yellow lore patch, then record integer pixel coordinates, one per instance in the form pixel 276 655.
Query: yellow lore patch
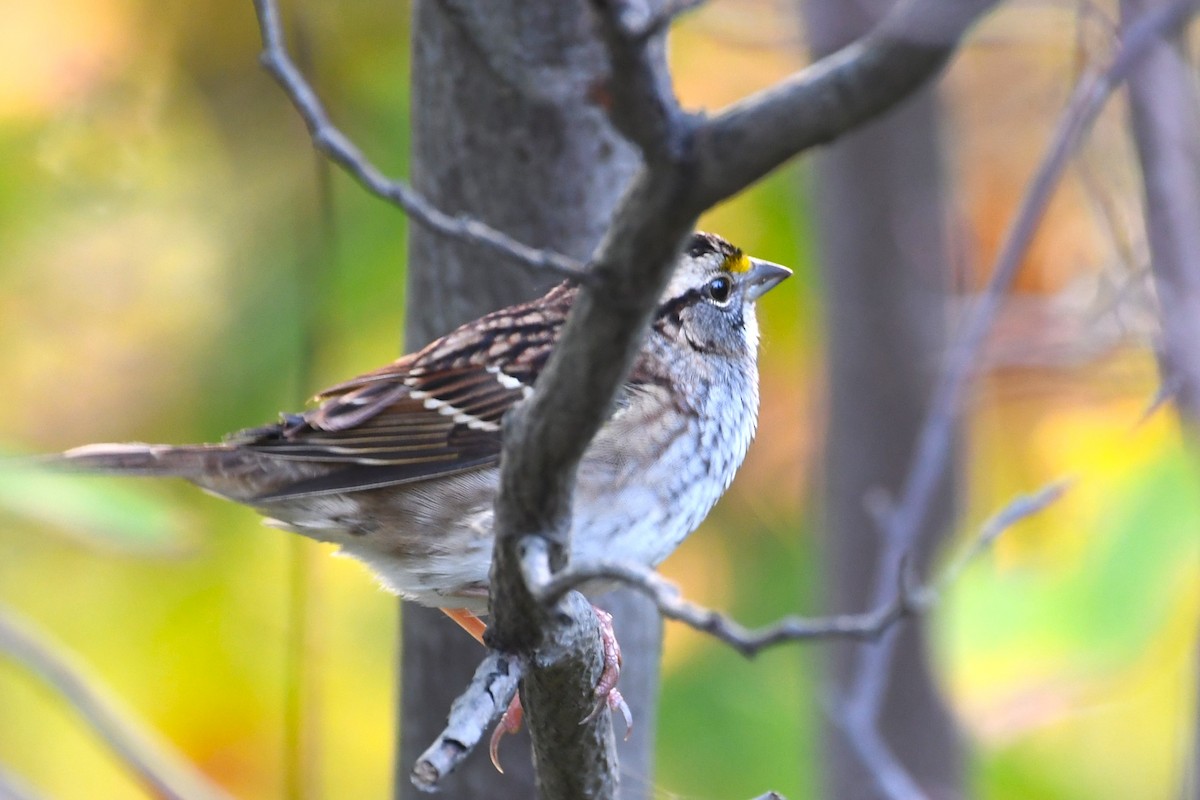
pixel 736 262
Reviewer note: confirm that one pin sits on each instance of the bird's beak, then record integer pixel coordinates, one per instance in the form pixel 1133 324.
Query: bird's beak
pixel 762 277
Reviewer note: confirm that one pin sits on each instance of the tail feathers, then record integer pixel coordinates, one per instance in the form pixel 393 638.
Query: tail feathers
pixel 188 461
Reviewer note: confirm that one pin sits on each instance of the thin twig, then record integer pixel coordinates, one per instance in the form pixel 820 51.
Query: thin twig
pixel 908 599
pixel 890 776
pixel 861 729
pixel 934 445
pixel 747 641
pixel 486 698
pixel 1019 508
pixel 656 21
pixel 495 681
pixel 330 140
pixel 159 766
pixel 13 788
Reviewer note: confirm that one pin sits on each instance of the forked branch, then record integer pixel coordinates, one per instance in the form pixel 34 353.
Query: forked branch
pixel 338 147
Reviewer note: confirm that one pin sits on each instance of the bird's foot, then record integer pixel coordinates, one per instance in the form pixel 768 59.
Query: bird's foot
pixel 606 692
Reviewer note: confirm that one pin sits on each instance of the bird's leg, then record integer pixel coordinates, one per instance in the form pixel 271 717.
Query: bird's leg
pixel 607 694
pixel 510 721
pixel 468 622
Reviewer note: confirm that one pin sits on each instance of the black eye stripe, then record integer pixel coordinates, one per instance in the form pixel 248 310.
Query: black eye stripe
pixel 672 307
pixel 676 304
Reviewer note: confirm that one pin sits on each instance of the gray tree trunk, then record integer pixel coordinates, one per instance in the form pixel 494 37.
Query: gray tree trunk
pixel 502 131
pixel 880 213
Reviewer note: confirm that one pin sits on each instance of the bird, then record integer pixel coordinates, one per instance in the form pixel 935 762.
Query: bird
pixel 399 467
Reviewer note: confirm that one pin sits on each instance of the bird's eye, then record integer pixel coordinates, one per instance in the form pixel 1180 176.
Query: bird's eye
pixel 719 288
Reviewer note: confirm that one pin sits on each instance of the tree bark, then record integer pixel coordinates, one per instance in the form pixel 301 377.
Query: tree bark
pixel 880 213
pixel 502 131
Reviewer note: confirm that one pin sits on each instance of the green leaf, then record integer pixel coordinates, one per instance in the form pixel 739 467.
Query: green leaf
pixel 99 511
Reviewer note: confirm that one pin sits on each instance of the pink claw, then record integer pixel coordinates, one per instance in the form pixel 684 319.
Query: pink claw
pixel 510 722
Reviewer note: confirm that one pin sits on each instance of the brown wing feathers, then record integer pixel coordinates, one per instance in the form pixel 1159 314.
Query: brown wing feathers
pixel 431 413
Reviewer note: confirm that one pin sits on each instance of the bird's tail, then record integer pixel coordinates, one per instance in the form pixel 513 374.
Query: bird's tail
pixel 164 460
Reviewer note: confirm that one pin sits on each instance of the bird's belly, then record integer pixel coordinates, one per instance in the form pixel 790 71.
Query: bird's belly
pixel 644 517
pixel 432 543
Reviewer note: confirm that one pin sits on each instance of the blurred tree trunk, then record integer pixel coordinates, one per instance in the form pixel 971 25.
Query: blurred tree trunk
pixel 877 194
pixel 1164 113
pixel 502 132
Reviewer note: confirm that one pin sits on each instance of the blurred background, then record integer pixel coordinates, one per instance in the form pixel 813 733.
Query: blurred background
pixel 175 263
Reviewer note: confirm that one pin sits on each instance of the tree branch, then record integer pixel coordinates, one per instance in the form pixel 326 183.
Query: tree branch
pixel 1164 113
pixel 485 699
pixel 489 691
pixel 832 96
pixel 547 435
pixel 150 758
pixel 336 146
pixel 642 103
pixel 747 641
pixel 903 525
pixel 13 788
pixel 908 600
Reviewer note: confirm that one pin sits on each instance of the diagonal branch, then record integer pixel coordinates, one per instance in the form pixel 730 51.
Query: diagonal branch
pixel 1164 112
pixel 330 140
pixel 152 760
pixel 903 525
pixel 546 436
pixel 834 95
pixel 486 698
pixel 494 684
pixel 13 788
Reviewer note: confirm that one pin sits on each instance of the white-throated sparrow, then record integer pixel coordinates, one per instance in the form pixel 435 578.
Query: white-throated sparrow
pixel 399 466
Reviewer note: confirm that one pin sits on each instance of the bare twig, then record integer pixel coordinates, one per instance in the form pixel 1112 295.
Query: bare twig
pixel 836 94
pixel 13 788
pixel 642 106
pixel 655 21
pixel 1164 113
pixel 889 774
pixel 909 599
pixel 747 641
pixel 934 444
pixel 1019 508
pixel 495 680
pixel 689 165
pixel 330 140
pixel 859 728
pixel 486 697
pixel 150 758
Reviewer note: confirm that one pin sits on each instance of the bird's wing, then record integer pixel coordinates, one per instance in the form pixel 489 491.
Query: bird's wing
pixel 432 413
